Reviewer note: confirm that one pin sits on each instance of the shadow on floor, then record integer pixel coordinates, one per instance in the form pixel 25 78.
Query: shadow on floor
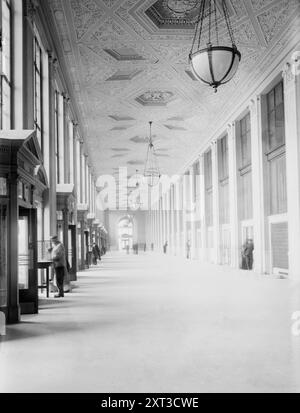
pixel 34 329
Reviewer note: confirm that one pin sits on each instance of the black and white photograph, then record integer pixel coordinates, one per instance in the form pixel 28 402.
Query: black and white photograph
pixel 149 201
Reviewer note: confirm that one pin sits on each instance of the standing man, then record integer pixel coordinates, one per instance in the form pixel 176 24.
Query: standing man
pixel 58 256
pixel 188 249
pixel 98 252
pixel 165 247
pixel 247 254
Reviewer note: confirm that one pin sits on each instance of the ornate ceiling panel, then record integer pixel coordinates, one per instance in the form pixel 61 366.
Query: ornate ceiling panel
pixel 128 64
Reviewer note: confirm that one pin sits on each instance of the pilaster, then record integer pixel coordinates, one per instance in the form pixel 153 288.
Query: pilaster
pixel 291 78
pixel 216 214
pixel 234 227
pixel 257 179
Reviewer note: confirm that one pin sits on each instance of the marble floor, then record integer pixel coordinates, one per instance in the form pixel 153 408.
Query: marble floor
pixel 153 323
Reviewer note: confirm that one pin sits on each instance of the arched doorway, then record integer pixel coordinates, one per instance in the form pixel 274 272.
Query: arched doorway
pixel 125 233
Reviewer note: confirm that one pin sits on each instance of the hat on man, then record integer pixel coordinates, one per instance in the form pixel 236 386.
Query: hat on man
pixel 54 238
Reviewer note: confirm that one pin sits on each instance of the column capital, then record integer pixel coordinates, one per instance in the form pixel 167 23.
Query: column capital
pixel 291 68
pixel 253 104
pixel 287 72
pixel 66 97
pixel 53 61
pixel 230 129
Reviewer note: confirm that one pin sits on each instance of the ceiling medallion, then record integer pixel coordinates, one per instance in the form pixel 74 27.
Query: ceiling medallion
pixel 152 173
pixel 181 7
pixel 213 64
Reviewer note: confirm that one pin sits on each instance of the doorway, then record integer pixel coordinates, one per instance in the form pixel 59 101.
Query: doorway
pixel 125 233
pixel 27 261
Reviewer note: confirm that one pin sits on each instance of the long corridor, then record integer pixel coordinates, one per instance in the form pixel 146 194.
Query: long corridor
pixel 153 323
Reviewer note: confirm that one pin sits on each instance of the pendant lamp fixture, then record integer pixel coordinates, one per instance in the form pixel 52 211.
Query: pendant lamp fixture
pixel 213 63
pixel 152 173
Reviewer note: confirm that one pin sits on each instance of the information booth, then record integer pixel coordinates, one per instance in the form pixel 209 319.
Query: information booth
pixel 22 184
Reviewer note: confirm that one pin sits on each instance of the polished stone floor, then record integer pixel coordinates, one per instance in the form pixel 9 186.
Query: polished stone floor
pixel 152 323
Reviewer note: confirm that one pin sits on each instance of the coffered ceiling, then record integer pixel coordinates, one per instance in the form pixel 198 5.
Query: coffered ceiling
pixel 128 64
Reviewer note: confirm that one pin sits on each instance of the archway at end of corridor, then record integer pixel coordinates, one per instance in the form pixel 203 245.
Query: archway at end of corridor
pixel 125 233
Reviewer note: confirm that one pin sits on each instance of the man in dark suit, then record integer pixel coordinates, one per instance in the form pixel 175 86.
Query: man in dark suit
pixel 58 256
pixel 248 249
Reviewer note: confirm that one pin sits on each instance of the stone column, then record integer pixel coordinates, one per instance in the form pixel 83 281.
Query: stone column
pixel 159 216
pixel 13 307
pixel 234 227
pixel 203 253
pixel 165 236
pixel 291 77
pixel 66 140
pixel 78 170
pixel 192 213
pixel 184 214
pixel 257 179
pixel 61 137
pixel 216 210
pixel 18 67
pixel 72 149
pixel 177 217
pixel 168 228
pixel 51 201
pixel 172 215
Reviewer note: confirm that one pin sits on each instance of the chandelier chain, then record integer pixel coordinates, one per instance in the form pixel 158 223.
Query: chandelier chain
pixel 197 28
pixel 209 23
pixel 228 23
pixel 201 18
pixel 216 23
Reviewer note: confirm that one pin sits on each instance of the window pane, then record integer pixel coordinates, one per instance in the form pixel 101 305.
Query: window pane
pixel 6 39
pixel 271 101
pixel 279 125
pixel 6 92
pixel 272 130
pixel 278 94
pixel 248 125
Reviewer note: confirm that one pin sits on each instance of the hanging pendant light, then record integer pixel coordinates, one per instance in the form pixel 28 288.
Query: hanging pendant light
pixel 214 64
pixel 151 173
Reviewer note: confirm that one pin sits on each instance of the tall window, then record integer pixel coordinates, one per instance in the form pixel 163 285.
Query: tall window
pixel 38 91
pixel 223 179
pixel 196 180
pixel 245 171
pixel 223 158
pixel 275 105
pixel 5 64
pixel 245 141
pixel 276 150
